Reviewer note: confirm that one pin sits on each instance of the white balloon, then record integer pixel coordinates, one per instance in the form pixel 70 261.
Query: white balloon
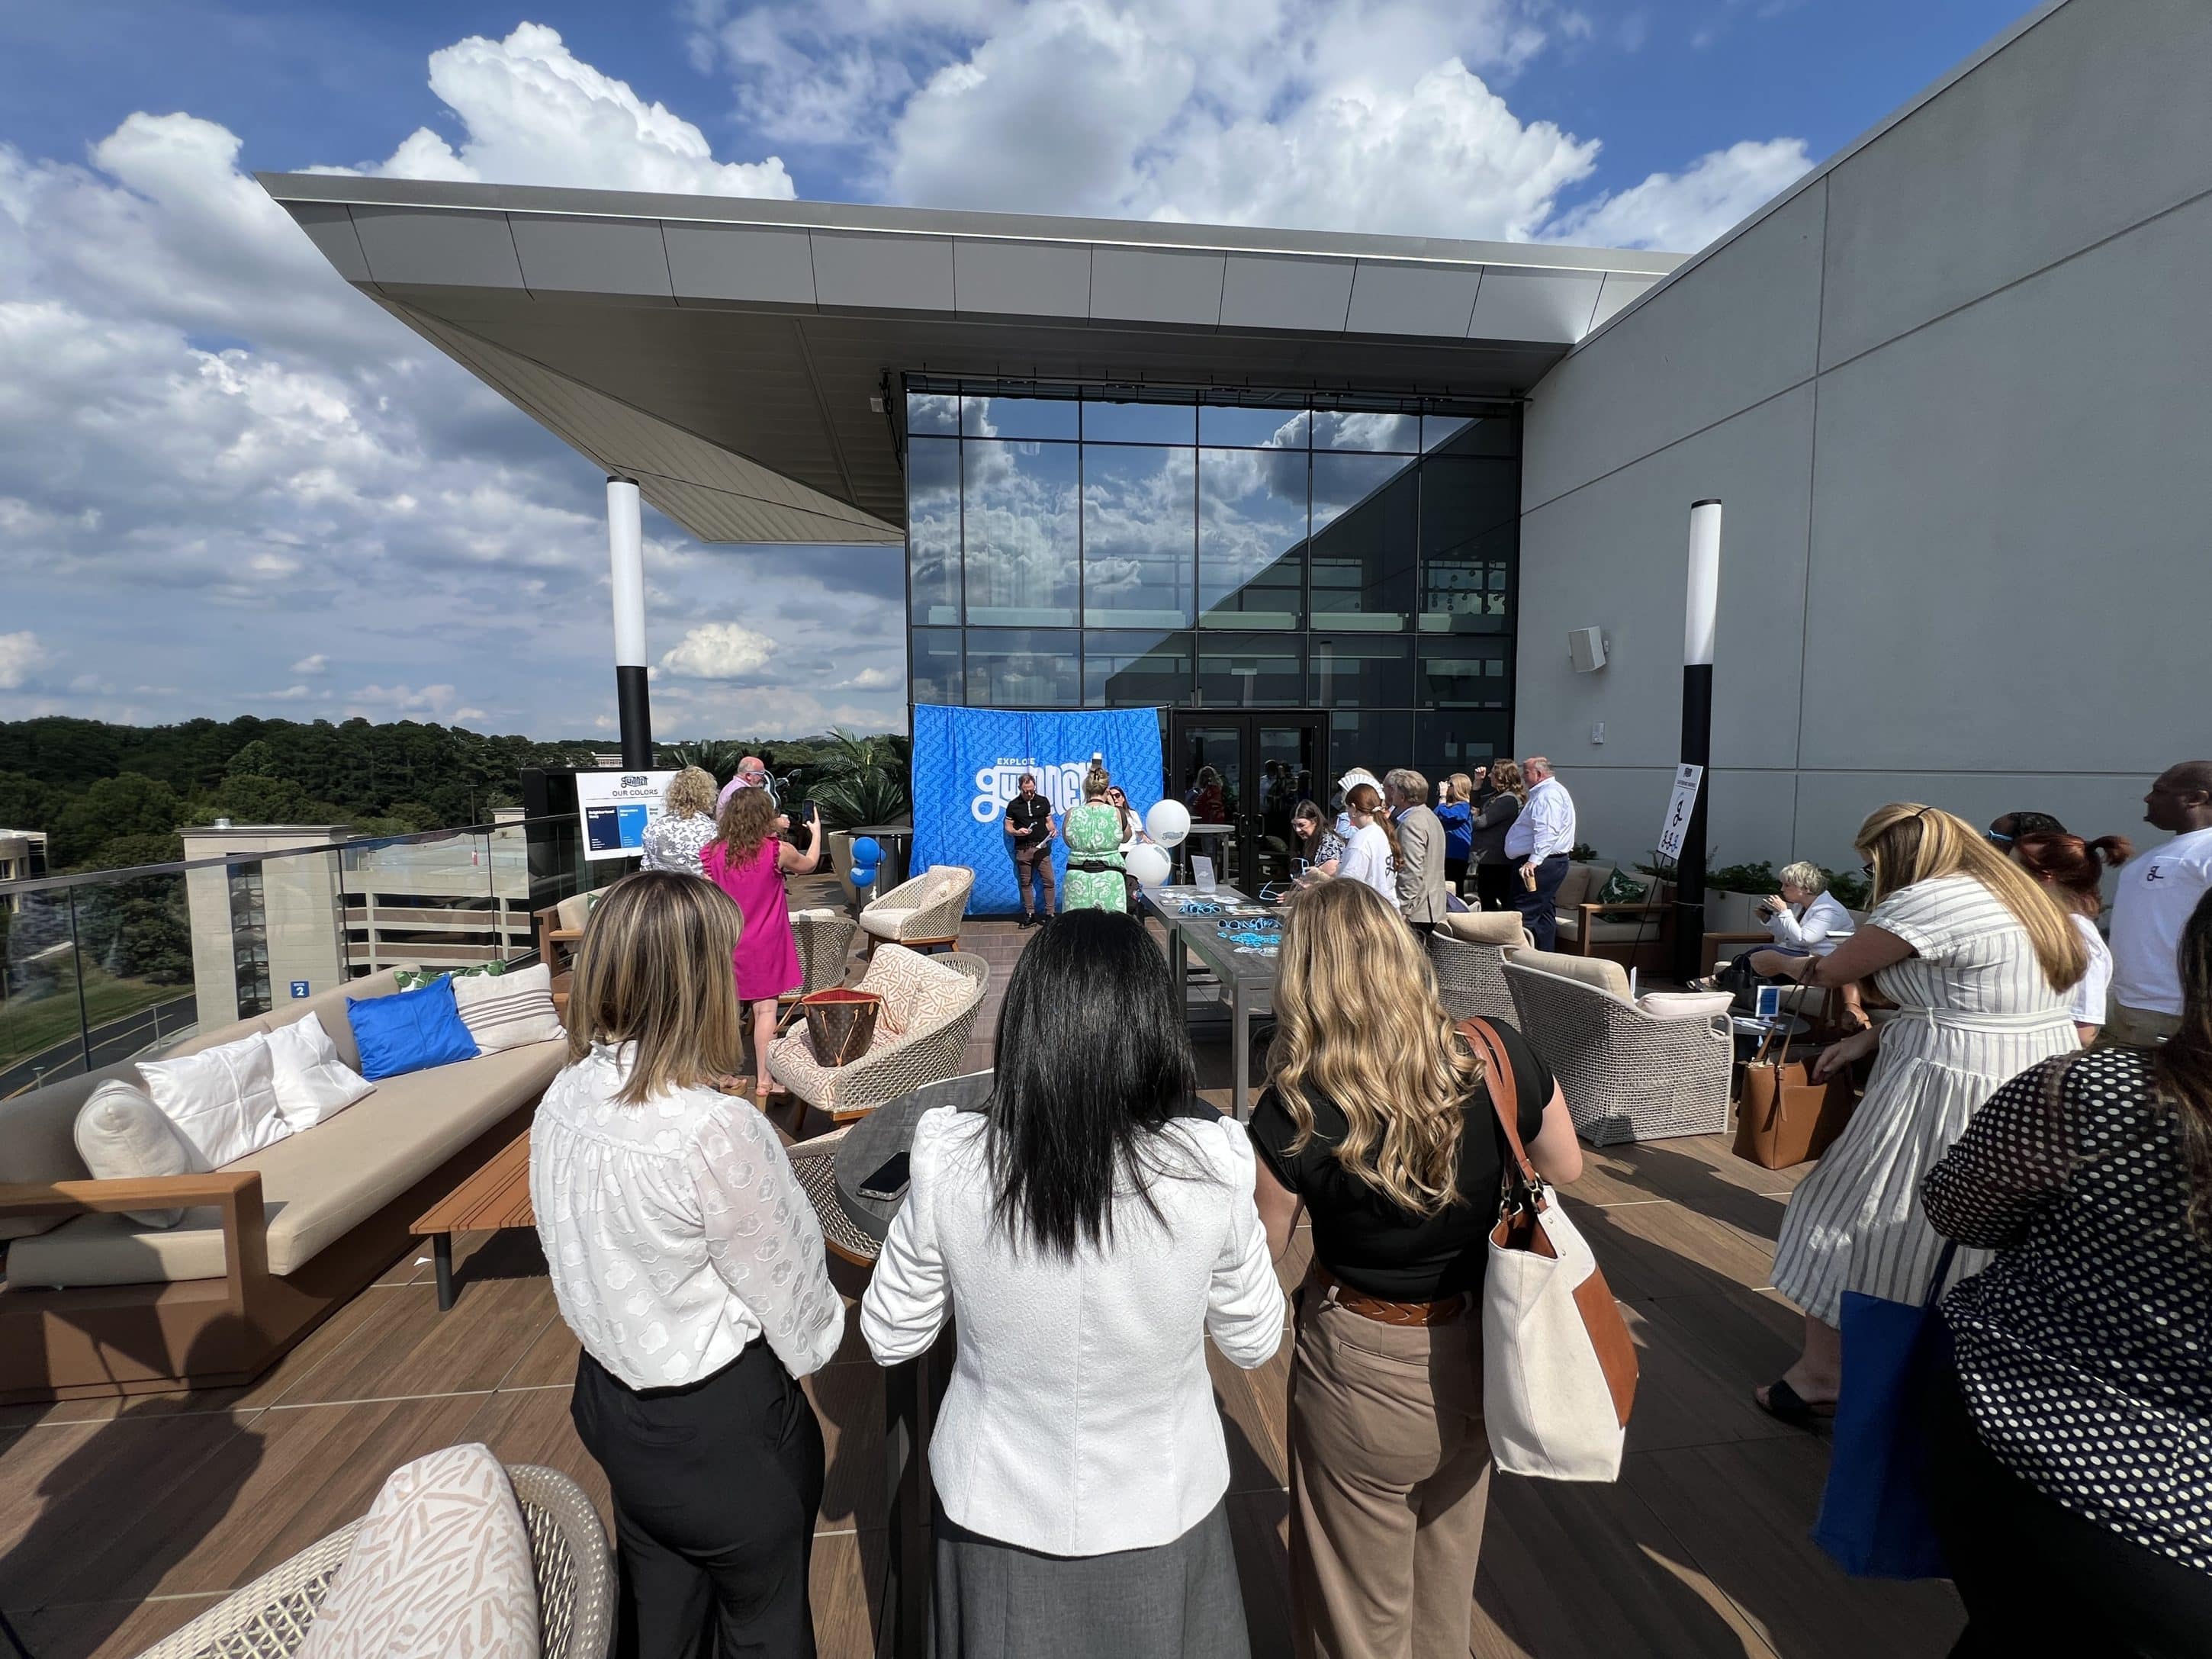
pixel 1168 823
pixel 1149 864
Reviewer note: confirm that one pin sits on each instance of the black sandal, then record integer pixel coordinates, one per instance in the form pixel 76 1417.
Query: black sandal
pixel 1787 1404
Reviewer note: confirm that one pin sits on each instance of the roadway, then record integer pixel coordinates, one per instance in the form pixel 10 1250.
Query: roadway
pixel 119 1039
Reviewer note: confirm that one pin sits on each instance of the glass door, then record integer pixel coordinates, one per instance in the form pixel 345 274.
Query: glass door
pixel 1241 776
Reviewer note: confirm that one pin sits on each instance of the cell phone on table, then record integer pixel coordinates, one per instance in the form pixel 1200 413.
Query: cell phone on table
pixel 888 1183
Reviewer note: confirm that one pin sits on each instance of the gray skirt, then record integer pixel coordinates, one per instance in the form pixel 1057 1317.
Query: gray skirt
pixel 1176 1601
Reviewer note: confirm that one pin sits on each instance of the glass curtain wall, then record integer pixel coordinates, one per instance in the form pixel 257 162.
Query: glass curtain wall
pixel 1095 546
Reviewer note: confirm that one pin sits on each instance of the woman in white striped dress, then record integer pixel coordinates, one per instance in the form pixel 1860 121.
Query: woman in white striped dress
pixel 1979 959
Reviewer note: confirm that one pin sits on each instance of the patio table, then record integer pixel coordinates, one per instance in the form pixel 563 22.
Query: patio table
pixel 1248 979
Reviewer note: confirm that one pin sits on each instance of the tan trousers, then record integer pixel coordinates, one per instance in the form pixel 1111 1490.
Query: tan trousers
pixel 1389 1482
pixel 2138 1028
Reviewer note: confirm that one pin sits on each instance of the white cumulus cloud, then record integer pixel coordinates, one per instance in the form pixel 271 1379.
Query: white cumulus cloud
pixel 21 655
pixel 318 664
pixel 537 114
pixel 720 651
pixel 1683 211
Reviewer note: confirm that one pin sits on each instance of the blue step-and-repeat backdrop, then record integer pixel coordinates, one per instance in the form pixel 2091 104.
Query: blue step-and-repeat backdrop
pixel 968 762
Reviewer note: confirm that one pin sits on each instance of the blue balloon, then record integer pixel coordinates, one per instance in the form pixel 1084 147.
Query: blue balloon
pixel 864 875
pixel 867 851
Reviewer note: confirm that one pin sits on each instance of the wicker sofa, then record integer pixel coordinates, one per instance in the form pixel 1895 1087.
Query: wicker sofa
pixel 94 1303
pixel 269 1618
pixel 1627 1074
pixel 1637 935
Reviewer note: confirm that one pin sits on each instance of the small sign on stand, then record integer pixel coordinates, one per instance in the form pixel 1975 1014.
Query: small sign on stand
pixel 1679 807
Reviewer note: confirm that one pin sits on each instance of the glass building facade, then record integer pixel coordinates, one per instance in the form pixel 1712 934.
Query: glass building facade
pixel 1095 547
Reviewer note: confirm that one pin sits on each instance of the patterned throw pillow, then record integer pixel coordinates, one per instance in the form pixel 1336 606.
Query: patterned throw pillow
pixel 441 1566
pixel 918 993
pixel 414 979
pixel 1620 888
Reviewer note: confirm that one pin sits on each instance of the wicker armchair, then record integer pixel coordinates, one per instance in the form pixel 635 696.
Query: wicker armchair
pixel 269 1618
pixel 1627 1075
pixel 824 938
pixel 886 1072
pixel 904 915
pixel 1471 977
pixel 814 1163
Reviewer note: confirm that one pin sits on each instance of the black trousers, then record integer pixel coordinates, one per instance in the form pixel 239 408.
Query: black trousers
pixel 715 1489
pixel 1455 875
pixel 1539 909
pixel 2038 1578
pixel 1495 885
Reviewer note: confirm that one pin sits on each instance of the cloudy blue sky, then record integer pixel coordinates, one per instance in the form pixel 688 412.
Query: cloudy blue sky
pixel 229 485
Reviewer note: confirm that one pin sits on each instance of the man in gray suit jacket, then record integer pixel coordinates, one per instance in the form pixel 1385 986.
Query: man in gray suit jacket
pixel 1421 882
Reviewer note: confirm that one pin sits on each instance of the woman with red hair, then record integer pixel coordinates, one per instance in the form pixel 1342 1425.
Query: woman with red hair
pixel 2070 869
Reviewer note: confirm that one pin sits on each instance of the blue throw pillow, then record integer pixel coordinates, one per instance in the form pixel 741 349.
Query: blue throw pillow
pixel 408 1031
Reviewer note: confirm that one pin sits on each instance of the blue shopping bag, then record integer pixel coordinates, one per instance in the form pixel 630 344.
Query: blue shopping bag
pixel 1875 1519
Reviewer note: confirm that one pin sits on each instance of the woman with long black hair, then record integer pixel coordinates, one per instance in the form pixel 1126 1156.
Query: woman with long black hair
pixel 2072 1446
pixel 1086 1231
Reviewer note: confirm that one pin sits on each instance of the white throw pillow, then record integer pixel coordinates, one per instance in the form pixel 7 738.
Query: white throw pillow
pixel 440 1568
pixel 222 1100
pixel 313 1083
pixel 1685 1005
pixel 122 1135
pixel 509 1009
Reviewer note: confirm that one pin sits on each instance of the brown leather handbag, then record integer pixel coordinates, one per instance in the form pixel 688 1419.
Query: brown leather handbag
pixel 1783 1117
pixel 841 1023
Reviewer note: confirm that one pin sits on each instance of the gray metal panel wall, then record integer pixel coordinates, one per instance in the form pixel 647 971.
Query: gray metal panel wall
pixel 882 273
pixel 437 247
pixel 590 255
pixel 1260 290
pixel 745 263
pixel 1150 285
pixel 1021 279
pixel 1990 502
pixel 1388 299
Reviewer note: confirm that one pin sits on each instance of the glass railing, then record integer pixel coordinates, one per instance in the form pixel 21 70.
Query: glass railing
pixel 99 967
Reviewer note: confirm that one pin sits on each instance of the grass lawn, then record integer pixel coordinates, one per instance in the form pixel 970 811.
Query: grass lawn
pixel 30 1024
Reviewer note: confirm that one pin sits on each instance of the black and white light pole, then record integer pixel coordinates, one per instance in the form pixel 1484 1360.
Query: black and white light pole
pixel 626 559
pixel 1698 623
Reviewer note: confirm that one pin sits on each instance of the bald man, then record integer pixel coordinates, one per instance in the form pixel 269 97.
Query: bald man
pixel 2157 891
pixel 752 774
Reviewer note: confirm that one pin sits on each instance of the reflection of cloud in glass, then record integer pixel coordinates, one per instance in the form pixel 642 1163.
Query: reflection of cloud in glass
pixel 933 525
pixel 933 411
pixel 1366 429
pixel 1021 530
pixel 1251 517
pixel 1344 481
pixel 1138 506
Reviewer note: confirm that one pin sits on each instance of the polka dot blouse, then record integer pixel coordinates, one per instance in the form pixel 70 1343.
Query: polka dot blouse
pixel 2085 1349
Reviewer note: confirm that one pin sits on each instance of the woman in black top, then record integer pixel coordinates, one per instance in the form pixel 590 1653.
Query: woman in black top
pixel 1380 1125
pixel 2072 1450
pixel 1496 878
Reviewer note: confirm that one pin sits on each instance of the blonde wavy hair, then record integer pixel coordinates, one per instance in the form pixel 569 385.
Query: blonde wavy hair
pixel 1358 1022
pixel 1906 842
pixel 653 968
pixel 691 793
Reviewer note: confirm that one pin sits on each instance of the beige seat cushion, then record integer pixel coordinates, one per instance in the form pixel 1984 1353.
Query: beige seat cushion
pixel 1593 971
pixel 1646 929
pixel 317 1186
pixel 1485 927
pixel 1581 884
pixel 919 994
pixel 439 1568
pixel 883 922
pixel 1685 1005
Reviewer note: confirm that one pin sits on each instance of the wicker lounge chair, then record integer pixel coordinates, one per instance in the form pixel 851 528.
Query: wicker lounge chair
pixel 924 911
pixel 1627 1075
pixel 269 1618
pixel 888 1070
pixel 1471 977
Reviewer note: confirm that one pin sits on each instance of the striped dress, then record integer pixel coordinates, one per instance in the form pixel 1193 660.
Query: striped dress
pixel 1976 1011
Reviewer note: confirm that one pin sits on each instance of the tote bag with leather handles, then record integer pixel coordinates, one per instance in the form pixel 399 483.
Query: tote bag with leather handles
pixel 1783 1117
pixel 1558 1369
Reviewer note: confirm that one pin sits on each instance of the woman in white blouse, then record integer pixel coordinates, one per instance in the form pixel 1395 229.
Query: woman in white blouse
pixel 1805 920
pixel 1086 1232
pixel 1371 853
pixel 689 1264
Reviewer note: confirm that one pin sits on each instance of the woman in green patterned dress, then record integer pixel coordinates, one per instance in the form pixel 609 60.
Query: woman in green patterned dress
pixel 1093 833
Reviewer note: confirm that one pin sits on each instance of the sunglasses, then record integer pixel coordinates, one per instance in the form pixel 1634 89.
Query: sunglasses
pixel 1996 839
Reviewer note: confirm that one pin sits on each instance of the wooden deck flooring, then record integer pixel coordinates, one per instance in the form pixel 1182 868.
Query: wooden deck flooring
pixel 119 1521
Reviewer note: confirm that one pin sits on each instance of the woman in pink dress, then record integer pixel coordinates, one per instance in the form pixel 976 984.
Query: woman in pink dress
pixel 748 860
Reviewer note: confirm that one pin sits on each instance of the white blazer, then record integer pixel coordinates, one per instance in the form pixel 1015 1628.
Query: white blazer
pixel 1079 1419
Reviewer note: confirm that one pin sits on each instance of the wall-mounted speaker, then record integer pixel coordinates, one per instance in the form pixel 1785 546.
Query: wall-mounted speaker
pixel 1586 650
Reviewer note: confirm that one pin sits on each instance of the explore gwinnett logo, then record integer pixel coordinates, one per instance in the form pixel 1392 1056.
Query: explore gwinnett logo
pixel 1061 785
